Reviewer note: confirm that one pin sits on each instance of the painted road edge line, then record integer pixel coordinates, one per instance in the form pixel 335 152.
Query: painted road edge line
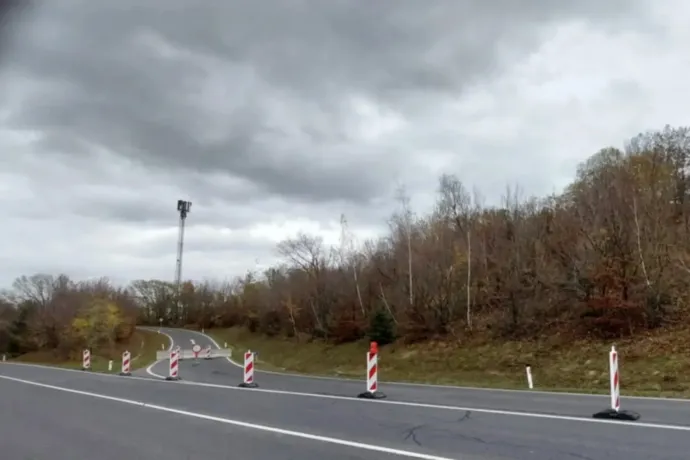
pixel 569 418
pixel 239 423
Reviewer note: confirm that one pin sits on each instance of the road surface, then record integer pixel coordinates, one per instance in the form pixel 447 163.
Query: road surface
pixel 151 419
pixel 44 424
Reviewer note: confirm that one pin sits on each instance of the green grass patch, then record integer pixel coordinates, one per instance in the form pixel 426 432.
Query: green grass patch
pixel 653 365
pixel 142 345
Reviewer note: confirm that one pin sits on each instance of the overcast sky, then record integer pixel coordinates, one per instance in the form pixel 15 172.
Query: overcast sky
pixel 276 116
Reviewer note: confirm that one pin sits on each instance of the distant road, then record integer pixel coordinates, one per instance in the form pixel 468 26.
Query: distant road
pixel 154 419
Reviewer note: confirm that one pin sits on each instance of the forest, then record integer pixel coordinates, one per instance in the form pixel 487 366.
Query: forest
pixel 608 257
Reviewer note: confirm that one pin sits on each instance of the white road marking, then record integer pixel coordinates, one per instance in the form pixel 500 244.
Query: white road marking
pixel 149 370
pixel 537 415
pixel 239 423
pixel 452 387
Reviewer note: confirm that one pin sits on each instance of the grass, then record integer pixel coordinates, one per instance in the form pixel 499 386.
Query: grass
pixel 142 345
pixel 653 365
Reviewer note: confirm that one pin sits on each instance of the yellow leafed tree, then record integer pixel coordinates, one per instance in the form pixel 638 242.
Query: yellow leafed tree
pixel 99 325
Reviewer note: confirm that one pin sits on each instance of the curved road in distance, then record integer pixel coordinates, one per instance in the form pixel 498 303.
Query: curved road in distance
pixel 220 371
pixel 58 414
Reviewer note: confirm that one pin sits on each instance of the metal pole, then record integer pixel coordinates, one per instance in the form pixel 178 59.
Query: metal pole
pixel 183 207
pixel 180 247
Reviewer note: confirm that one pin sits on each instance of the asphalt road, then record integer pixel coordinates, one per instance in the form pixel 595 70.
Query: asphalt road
pixel 219 371
pixel 44 424
pixel 49 423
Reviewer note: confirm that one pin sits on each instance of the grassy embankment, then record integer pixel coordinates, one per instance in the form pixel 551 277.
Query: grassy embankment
pixel 655 364
pixel 142 345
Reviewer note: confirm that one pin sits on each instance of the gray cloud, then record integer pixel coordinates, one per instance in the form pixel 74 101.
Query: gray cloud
pixel 274 111
pixel 131 76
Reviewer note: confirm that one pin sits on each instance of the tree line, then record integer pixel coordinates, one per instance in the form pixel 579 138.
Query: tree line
pixel 607 257
pixel 46 312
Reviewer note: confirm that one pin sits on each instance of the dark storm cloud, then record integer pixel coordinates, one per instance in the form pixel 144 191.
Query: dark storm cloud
pixel 102 82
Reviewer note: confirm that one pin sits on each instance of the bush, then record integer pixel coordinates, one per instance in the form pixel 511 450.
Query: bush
pixel 382 327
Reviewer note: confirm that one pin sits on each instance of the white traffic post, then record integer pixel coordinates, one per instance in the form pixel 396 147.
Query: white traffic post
pixel 530 382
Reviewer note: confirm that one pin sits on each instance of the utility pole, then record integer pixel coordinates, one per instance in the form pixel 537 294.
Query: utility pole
pixel 183 208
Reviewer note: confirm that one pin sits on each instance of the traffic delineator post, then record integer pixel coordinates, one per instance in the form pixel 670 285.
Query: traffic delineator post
pixel 126 364
pixel 248 379
pixel 614 412
pixel 174 368
pixel 372 374
pixel 86 360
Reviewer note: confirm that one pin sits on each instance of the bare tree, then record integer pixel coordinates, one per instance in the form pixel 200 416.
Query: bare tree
pixel 348 257
pixel 404 200
pixel 455 205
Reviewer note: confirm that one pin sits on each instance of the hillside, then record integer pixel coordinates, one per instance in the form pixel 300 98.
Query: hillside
pixel 606 261
pixel 653 364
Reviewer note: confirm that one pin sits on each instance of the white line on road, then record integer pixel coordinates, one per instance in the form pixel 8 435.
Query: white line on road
pixel 568 418
pixel 149 370
pixel 239 423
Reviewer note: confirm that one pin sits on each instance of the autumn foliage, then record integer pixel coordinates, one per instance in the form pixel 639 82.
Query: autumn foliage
pixel 608 257
pixel 43 312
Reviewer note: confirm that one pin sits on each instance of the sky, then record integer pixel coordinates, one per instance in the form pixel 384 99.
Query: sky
pixel 273 117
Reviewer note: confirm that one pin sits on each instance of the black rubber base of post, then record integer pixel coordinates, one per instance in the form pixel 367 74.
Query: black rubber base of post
pixel 172 379
pixel 370 395
pixel 126 374
pixel 611 414
pixel 86 368
pixel 248 385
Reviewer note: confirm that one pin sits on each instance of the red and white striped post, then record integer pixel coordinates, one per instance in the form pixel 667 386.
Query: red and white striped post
pixel 615 412
pixel 248 380
pixel 372 374
pixel 174 371
pixel 207 352
pixel 86 360
pixel 615 380
pixel 126 363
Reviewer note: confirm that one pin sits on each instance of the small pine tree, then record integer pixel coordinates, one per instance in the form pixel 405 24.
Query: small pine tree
pixel 382 327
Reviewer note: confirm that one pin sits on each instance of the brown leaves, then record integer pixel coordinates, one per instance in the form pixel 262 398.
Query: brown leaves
pixel 603 258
